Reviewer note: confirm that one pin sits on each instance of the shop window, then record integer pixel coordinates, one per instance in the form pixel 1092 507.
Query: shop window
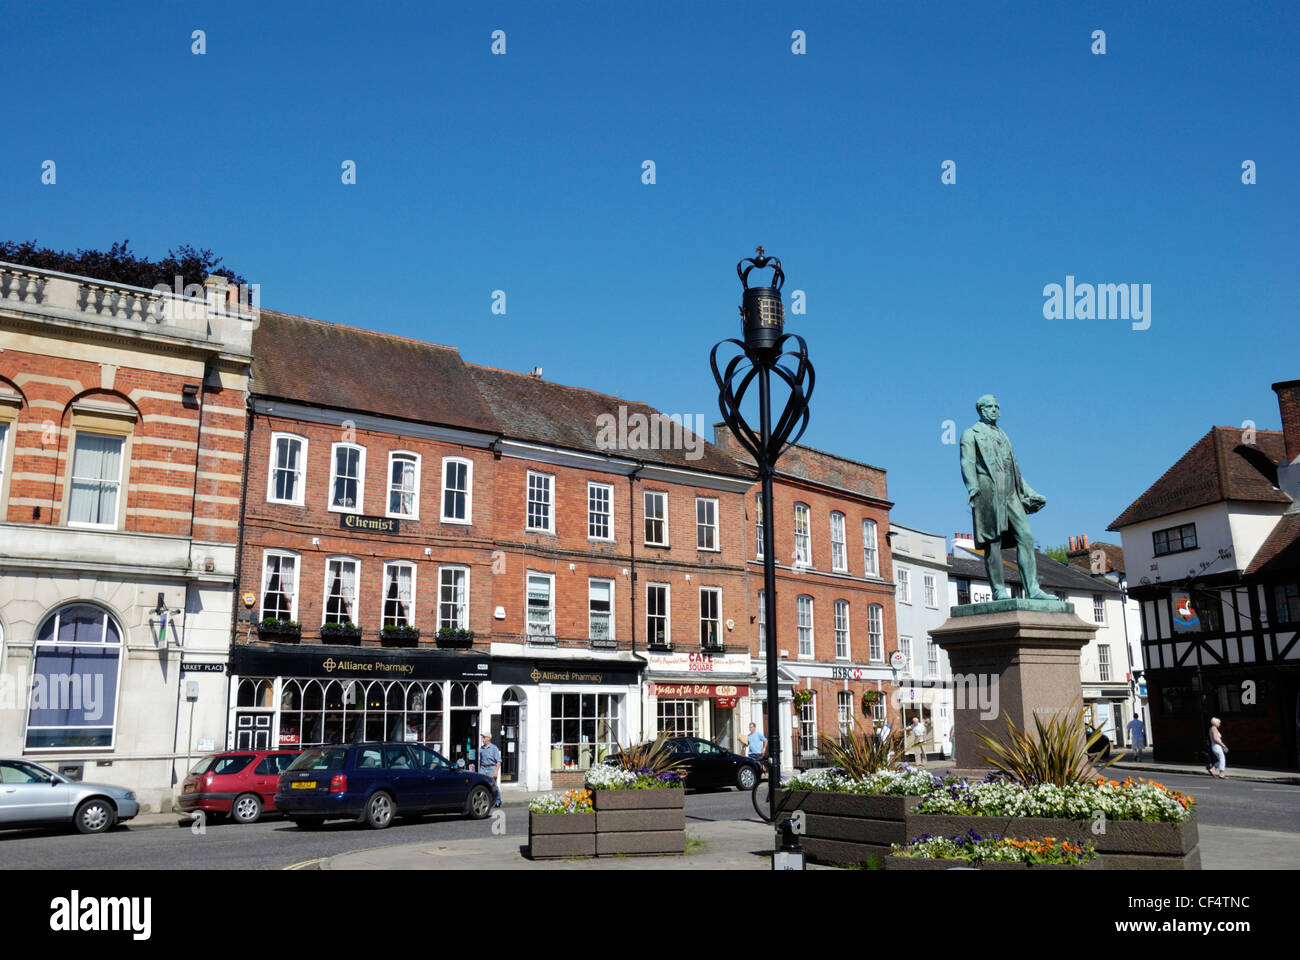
pixel 844 712
pixel 679 718
pixel 73 697
pixel 584 729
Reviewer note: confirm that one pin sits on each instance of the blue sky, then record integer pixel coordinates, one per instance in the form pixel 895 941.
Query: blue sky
pixel 523 173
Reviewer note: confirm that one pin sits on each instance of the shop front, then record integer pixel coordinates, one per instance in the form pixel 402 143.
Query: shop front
pixel 559 717
pixel 291 697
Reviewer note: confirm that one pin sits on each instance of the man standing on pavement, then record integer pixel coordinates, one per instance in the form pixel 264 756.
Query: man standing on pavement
pixel 917 729
pixel 1137 735
pixel 489 764
pixel 757 743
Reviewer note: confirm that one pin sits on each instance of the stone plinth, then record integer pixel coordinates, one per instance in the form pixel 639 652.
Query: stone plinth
pixel 1010 658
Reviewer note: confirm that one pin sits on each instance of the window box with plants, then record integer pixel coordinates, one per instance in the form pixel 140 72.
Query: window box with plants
pixel 280 631
pixel 399 635
pixel 638 803
pixel 345 632
pixel 1042 785
pixel 455 638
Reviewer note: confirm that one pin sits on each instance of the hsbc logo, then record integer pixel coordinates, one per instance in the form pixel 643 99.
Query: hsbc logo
pixel 847 673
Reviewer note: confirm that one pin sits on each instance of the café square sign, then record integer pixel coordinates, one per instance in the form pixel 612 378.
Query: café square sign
pixel 697 663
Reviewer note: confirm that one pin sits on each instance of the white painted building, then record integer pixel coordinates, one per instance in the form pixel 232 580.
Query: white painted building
pixel 922 600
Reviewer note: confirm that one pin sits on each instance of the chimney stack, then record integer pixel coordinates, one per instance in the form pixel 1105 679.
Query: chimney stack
pixel 1083 541
pixel 1288 401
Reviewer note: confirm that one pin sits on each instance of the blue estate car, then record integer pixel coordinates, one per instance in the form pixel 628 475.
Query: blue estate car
pixel 374 782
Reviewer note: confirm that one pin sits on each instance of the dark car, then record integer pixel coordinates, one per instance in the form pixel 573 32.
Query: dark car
pixel 1099 749
pixel 709 766
pixel 240 783
pixel 373 782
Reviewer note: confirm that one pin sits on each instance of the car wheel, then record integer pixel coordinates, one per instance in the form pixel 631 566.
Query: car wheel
pixel 94 816
pixel 379 810
pixel 479 803
pixel 247 808
pixel 745 778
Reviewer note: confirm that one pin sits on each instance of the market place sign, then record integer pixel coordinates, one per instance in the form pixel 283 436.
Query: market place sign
pixel 706 690
pixel 355 521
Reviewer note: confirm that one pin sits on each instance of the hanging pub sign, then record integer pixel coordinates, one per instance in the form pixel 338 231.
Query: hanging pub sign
pixel 355 521
pixel 1185 617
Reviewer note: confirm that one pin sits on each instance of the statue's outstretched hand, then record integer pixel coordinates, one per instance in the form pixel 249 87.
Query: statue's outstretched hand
pixel 1034 502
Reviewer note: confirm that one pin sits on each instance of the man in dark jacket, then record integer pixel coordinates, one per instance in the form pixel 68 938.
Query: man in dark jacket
pixel 1000 500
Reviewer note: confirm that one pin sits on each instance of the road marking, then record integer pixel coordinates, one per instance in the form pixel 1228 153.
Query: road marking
pixel 305 864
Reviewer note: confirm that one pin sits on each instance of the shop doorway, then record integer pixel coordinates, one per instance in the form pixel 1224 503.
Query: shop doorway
pixel 253 731
pixel 464 725
pixel 723 724
pixel 509 736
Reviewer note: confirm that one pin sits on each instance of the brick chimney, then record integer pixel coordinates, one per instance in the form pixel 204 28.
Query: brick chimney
pixel 1288 401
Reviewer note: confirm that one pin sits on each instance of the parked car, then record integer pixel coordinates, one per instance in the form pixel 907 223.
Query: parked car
pixel 1099 749
pixel 238 783
pixel 32 794
pixel 709 766
pixel 374 782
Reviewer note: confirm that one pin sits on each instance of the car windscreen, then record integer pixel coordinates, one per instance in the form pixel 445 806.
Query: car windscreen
pixel 321 758
pixel 227 765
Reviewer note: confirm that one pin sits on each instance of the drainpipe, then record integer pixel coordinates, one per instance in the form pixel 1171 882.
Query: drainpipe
pixel 631 502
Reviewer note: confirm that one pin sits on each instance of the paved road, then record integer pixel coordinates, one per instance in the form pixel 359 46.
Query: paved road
pixel 275 844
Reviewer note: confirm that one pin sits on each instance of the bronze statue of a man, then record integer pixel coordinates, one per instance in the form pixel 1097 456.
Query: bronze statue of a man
pixel 1000 500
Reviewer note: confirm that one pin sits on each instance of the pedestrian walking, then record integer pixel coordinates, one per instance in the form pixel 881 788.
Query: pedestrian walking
pixel 1137 735
pixel 917 729
pixel 757 743
pixel 1219 749
pixel 489 764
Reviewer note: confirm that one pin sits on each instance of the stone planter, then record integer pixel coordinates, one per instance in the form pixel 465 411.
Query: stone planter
pixel 928 863
pixel 854 828
pixel 552 835
pixel 625 822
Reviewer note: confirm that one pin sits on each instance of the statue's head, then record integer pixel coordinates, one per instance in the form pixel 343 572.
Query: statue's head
pixel 988 409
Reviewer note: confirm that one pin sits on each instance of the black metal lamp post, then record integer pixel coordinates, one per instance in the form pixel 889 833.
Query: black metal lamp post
pixel 762 350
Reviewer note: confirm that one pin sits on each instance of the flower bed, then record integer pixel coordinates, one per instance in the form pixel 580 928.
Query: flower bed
pixel 1133 824
pixel 635 812
pixel 990 852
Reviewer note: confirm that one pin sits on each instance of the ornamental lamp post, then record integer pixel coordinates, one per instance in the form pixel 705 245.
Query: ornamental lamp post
pixel 765 346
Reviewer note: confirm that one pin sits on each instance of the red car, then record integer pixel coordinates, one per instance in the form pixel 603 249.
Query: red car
pixel 240 783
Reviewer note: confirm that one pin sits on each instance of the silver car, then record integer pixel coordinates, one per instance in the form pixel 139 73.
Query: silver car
pixel 31 793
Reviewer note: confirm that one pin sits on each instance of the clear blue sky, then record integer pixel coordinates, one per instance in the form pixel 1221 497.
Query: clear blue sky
pixel 523 173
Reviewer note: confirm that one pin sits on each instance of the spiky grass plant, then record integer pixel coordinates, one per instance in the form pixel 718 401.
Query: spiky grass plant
pixel 1056 752
pixel 862 754
pixel 653 758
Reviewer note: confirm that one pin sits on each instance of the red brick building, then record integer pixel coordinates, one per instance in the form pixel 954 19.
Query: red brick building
pixel 835 595
pixel 121 447
pixel 433 548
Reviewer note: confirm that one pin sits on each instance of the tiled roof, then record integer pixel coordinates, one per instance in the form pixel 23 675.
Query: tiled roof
pixel 1082 559
pixel 1209 472
pixel 539 411
pixel 347 368
pixel 1051 573
pixel 1280 553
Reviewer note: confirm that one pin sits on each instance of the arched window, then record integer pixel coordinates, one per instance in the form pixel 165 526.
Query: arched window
pixel 77 657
